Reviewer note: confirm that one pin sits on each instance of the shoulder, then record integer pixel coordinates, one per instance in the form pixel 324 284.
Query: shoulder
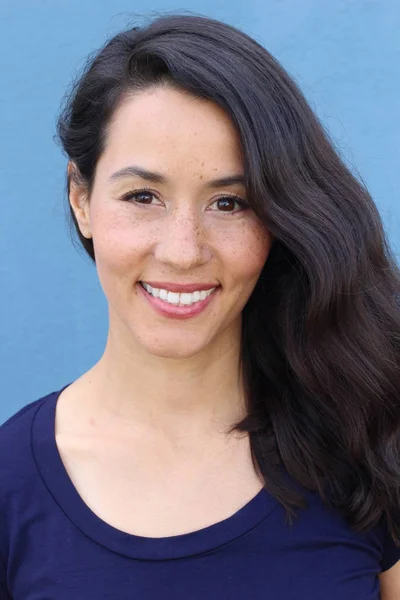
pixel 20 416
pixel 324 522
pixel 19 481
pixel 20 419
pixel 16 459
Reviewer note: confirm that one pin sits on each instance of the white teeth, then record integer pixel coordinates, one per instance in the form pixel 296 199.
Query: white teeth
pixel 172 298
pixel 186 298
pixel 183 299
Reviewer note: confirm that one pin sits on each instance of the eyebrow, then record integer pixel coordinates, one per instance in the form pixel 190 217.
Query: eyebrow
pixel 134 171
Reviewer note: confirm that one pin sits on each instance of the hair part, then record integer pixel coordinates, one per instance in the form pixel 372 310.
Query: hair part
pixel 321 331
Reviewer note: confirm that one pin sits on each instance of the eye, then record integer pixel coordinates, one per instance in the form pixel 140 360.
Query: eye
pixel 229 204
pixel 143 196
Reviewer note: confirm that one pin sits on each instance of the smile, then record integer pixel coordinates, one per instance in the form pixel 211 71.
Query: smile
pixel 176 304
pixel 176 298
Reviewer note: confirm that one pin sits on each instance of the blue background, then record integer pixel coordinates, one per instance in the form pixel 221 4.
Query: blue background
pixel 345 54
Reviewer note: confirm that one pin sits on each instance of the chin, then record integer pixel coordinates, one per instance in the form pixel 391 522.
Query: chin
pixel 179 347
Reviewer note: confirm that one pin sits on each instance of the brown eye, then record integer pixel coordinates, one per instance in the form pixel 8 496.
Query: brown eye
pixel 229 204
pixel 226 204
pixel 139 196
pixel 143 197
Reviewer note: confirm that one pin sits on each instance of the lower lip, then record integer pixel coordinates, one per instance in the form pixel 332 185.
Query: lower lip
pixel 172 310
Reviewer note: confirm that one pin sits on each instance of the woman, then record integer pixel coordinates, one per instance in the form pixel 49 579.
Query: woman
pixel 239 437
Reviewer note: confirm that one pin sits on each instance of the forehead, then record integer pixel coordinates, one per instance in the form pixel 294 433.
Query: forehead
pixel 166 128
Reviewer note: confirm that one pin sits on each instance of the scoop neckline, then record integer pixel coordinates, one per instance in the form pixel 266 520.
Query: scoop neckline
pixel 58 483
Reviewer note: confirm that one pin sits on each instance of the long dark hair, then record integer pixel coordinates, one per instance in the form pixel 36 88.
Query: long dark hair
pixel 321 331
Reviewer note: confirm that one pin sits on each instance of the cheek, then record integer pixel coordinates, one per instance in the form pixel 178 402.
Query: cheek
pixel 247 251
pixel 119 243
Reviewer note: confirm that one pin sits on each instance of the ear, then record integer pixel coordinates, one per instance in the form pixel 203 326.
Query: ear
pixel 79 201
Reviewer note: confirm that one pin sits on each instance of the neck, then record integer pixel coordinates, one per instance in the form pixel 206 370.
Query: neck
pixel 189 397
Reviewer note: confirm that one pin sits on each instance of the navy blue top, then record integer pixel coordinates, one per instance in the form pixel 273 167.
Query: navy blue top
pixel 52 546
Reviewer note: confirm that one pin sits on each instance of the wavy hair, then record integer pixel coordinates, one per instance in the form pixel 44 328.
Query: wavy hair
pixel 321 331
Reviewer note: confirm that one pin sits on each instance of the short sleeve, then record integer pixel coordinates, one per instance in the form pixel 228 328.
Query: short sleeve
pixel 390 552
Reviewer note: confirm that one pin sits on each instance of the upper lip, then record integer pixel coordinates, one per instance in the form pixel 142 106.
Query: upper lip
pixel 181 287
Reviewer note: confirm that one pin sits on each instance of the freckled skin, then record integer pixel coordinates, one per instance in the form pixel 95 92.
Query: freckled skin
pixel 177 238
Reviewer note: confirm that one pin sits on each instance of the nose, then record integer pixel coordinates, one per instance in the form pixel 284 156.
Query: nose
pixel 182 242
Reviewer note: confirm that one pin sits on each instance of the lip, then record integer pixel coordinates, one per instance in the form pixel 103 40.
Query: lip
pixel 172 310
pixel 181 287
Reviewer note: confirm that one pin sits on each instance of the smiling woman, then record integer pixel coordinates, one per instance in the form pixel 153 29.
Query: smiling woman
pixel 193 227
pixel 239 436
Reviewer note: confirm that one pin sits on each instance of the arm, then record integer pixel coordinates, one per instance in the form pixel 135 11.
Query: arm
pixel 390 583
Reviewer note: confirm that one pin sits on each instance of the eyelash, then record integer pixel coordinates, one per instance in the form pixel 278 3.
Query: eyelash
pixel 131 196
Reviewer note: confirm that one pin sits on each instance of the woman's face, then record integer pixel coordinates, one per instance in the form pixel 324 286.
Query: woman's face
pixel 159 217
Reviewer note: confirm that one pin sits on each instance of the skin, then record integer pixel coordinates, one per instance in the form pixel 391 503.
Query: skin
pixel 150 419
pixel 166 384
pixel 390 583
pixel 183 371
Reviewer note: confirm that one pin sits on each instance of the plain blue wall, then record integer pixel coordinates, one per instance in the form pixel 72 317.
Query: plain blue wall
pixel 344 54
